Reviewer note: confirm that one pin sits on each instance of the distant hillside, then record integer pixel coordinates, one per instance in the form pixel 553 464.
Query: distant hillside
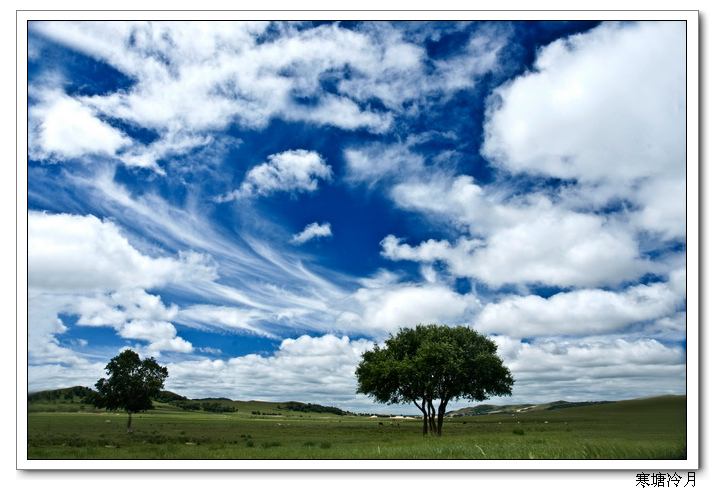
pixel 168 397
pixel 72 400
pixel 65 395
pixel 508 409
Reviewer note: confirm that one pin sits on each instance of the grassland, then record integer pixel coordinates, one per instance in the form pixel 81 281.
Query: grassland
pixel 652 428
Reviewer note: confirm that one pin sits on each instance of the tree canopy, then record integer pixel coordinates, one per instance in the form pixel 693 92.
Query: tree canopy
pixel 432 364
pixel 131 385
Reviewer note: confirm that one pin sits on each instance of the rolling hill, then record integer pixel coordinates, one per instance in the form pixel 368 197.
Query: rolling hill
pixel 487 409
pixel 71 400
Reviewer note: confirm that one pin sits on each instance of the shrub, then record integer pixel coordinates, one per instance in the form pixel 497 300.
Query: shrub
pixel 519 431
pixel 268 444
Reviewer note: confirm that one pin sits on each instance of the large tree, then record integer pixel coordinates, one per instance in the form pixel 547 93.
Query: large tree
pixel 432 364
pixel 131 385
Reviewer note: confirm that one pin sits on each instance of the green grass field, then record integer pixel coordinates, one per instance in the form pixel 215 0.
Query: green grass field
pixel 652 428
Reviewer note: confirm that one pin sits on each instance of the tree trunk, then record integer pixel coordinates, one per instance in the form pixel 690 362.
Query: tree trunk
pixel 440 416
pixel 424 416
pixel 129 422
pixel 432 425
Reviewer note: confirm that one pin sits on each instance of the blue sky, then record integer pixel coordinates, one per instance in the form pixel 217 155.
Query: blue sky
pixel 256 204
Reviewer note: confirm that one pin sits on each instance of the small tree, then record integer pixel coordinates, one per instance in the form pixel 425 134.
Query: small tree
pixel 131 385
pixel 433 364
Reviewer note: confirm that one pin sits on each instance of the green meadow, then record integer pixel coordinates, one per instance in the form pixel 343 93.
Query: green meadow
pixel 653 428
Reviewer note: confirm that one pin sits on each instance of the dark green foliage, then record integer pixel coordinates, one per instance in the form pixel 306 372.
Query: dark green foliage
pixel 311 407
pixel 131 385
pixel 186 404
pixel 430 363
pixel 216 407
pixel 168 397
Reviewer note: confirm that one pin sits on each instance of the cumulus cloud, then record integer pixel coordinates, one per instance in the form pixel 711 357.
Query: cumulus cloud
pixel 312 231
pixel 84 254
pixel 613 119
pixel 290 171
pixel 119 307
pixel 662 207
pixel 62 127
pixel 319 369
pixel 134 314
pixel 52 375
pixel 557 248
pixel 84 266
pixel 620 146
pixel 596 368
pixel 384 309
pixel 161 336
pixel 581 312
pixel 43 328
pixel 634 97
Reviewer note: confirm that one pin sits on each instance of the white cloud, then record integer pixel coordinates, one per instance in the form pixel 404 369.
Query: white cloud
pixel 52 375
pixel 371 163
pixel 227 317
pixel 561 249
pixel 605 104
pixel 250 282
pixel 117 308
pixel 134 314
pixel 238 79
pixel 312 231
pixel 596 368
pixel 587 112
pixel 71 253
pixel 607 108
pixel 385 309
pixel 341 112
pixel 62 127
pixel 480 56
pixel 581 312
pixel 310 369
pixel 290 171
pixel 161 336
pixel 81 265
pixel 43 328
pixel 556 247
pixel 663 208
